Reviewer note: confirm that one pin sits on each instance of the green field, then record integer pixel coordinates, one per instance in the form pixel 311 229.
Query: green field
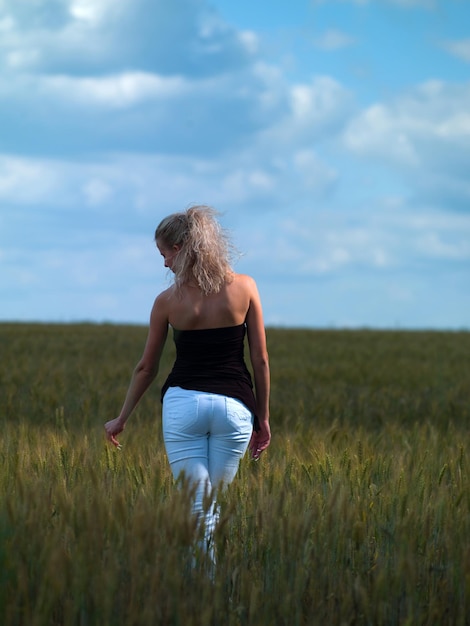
pixel 359 513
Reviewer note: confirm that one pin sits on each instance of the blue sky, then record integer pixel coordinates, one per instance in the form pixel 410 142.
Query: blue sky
pixel 332 135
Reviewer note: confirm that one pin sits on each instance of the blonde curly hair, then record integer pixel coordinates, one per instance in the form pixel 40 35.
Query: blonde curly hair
pixel 205 248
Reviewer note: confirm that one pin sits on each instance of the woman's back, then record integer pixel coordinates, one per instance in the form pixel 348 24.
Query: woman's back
pixel 189 309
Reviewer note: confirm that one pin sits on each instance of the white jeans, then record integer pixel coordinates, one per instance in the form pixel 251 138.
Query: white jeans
pixel 205 437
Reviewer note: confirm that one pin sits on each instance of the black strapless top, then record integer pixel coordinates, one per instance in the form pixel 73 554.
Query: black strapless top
pixel 212 360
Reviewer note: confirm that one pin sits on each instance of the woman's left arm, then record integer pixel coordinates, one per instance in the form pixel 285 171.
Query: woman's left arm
pixel 145 371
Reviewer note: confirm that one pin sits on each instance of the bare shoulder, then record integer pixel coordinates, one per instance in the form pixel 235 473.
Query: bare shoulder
pixel 161 306
pixel 248 293
pixel 166 295
pixel 245 281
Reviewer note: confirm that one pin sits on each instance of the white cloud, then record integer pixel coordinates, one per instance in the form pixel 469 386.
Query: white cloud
pixel 91 11
pixel 26 180
pixel 377 132
pixel 250 41
pixel 7 24
pixel 97 192
pixel 316 243
pixel 89 37
pixel 459 48
pixel 433 244
pixel 333 40
pixel 423 136
pixel 315 173
pixel 66 69
pixel 312 111
pixel 119 91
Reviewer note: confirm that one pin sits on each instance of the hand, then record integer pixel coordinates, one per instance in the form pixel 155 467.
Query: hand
pixel 260 440
pixel 113 428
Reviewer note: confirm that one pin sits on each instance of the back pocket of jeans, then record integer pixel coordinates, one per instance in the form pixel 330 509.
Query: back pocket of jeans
pixel 180 409
pixel 238 415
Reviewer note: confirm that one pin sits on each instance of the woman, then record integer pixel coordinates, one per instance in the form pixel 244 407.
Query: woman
pixel 210 413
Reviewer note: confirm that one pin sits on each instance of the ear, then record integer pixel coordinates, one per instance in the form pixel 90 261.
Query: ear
pixel 176 247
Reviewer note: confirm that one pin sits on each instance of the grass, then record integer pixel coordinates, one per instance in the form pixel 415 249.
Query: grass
pixel 359 513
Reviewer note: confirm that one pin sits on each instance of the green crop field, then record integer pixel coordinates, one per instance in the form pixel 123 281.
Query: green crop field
pixel 359 512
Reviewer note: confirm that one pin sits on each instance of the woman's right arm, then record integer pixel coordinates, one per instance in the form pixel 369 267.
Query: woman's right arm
pixel 145 370
pixel 260 439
